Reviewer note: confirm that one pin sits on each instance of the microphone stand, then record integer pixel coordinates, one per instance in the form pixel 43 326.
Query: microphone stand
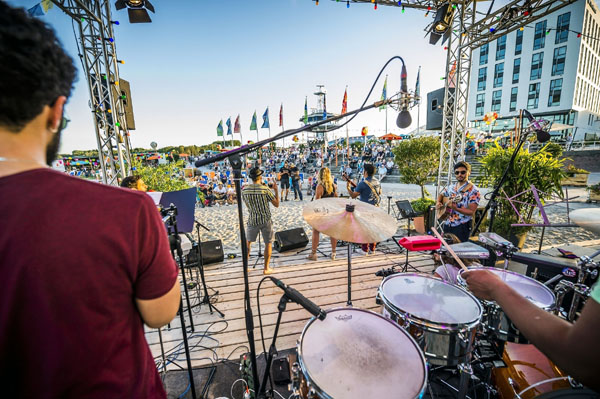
pixel 492 204
pixel 206 299
pixel 234 157
pixel 272 349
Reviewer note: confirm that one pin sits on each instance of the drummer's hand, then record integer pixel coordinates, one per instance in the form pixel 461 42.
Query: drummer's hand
pixel 482 283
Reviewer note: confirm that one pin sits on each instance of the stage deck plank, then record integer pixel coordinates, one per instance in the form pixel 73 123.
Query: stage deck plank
pixel 323 281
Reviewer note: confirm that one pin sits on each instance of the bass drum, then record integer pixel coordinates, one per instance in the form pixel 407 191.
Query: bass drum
pixel 530 374
pixel 358 354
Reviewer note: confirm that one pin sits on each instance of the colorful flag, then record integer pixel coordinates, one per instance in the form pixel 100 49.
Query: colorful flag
pixel 324 108
pixel 229 133
pixel 281 115
pixel 418 85
pixel 253 123
pixel 46 5
pixel 384 93
pixel 452 76
pixel 220 128
pixel 36 10
pixel 236 126
pixel 265 124
pixel 345 102
pixel 306 110
pixel 364 131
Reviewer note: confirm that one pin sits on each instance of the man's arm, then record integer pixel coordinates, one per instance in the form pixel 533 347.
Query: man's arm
pixel 352 193
pixel 160 311
pixel 469 211
pixel 575 348
pixel 275 201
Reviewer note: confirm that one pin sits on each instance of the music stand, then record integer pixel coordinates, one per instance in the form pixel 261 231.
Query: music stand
pixel 406 212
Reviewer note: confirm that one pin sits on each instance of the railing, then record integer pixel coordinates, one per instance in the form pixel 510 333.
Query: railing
pixel 580 145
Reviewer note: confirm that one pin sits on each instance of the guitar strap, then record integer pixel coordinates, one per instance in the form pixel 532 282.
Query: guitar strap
pixel 373 191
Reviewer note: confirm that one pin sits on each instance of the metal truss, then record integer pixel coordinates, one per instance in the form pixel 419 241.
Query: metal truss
pixel 99 59
pixel 470 29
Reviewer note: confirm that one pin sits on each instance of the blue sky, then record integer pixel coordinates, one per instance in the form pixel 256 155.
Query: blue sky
pixel 202 61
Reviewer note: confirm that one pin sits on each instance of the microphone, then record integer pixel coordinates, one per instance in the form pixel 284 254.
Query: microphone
pixel 300 299
pixel 542 135
pixel 404 119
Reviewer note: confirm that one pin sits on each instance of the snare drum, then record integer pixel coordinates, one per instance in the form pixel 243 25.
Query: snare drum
pixel 441 317
pixel 357 354
pixel 495 319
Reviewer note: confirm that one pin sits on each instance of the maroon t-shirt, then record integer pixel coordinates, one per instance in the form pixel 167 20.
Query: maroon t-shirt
pixel 73 257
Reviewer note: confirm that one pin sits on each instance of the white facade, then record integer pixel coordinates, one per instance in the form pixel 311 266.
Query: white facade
pixel 574 83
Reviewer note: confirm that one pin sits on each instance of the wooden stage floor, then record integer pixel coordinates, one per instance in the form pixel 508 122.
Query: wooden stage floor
pixel 323 281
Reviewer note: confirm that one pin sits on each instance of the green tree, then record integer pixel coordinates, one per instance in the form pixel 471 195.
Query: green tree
pixel 418 160
pixel 162 178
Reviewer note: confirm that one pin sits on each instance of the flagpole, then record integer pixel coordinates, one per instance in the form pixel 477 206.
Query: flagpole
pixel 418 93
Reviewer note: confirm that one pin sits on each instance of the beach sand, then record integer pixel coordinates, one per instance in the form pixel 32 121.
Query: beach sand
pixel 223 220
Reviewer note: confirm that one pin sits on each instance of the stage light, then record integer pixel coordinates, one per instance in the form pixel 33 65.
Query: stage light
pixel 137 10
pixel 441 23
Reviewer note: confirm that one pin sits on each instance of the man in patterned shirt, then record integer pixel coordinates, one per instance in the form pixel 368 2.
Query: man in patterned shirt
pixel 257 197
pixel 464 198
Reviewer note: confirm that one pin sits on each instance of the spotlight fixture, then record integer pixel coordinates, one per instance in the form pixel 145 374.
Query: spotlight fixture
pixel 441 23
pixel 137 9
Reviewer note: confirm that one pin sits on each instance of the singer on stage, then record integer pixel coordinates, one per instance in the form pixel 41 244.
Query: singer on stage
pixel 83 265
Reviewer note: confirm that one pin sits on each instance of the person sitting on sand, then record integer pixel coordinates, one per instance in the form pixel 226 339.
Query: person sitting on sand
pixel 257 197
pixel 325 189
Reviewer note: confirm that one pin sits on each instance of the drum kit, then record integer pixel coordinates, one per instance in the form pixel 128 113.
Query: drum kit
pixel 425 325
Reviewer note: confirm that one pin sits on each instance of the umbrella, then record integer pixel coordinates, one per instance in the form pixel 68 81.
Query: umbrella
pixel 390 136
pixel 153 157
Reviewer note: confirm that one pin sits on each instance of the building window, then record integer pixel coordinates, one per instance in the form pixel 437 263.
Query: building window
pixel 558 62
pixel 500 48
pixel 536 65
pixel 539 36
pixel 562 28
pixel 499 74
pixel 533 97
pixel 483 54
pixel 481 79
pixel 513 99
pixel 519 42
pixel 555 90
pixel 496 99
pixel 479 104
pixel 516 70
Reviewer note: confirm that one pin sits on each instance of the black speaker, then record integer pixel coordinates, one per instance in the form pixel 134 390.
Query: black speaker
pixel 127 103
pixel 212 252
pixel 290 239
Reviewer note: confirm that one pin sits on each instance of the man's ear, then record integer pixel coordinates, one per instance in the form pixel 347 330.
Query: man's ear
pixel 56 113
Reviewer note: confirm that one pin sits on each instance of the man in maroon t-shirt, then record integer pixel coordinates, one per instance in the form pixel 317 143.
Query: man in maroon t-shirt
pixel 82 266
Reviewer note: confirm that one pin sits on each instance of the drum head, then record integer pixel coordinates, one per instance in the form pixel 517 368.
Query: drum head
pixel 540 295
pixel 428 298
pixel 357 354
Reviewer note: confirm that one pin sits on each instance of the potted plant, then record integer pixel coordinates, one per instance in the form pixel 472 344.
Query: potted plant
pixel 575 176
pixel 422 206
pixel 541 169
pixel 594 192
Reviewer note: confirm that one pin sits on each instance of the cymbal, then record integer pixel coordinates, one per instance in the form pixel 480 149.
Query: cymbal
pixel 366 223
pixel 587 218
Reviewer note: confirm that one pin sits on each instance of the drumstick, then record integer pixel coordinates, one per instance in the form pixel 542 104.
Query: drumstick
pixel 445 244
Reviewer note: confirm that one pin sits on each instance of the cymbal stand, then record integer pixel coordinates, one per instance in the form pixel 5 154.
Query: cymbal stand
pixel 349 208
pixel 259 254
pixel 206 300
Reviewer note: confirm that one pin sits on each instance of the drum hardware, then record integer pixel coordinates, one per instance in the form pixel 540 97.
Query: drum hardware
pixel 587 268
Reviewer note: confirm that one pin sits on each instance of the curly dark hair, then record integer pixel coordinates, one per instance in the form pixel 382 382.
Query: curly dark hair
pixel 34 68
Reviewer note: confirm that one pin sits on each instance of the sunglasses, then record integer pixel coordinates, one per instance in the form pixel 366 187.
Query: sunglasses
pixel 460 172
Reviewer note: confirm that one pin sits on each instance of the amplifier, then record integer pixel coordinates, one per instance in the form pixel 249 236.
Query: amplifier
pixel 212 252
pixel 290 239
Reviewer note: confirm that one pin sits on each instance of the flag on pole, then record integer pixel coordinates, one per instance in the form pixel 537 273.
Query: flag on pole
pixel 265 124
pixel 281 115
pixel 452 76
pixel 229 133
pixel 220 128
pixel 253 123
pixel 324 108
pixel 236 126
pixel 364 131
pixel 384 93
pixel 306 110
pixel 418 85
pixel 345 102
